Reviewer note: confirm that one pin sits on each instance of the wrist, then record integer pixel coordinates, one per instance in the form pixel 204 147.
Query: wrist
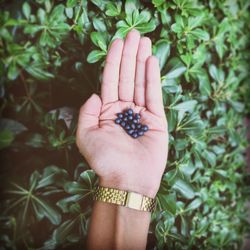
pixel 149 190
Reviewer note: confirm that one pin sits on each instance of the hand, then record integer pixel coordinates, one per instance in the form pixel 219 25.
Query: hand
pixel 131 79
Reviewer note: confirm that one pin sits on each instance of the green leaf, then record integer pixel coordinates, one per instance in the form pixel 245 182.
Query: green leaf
pixel 217 74
pixel 238 106
pixel 69 12
pixel 184 226
pixel 88 178
pixel 171 86
pixel 99 39
pixel 199 57
pixel 158 3
pixel 37 72
pixel 113 9
pixel 95 56
pixel 99 3
pixel 165 225
pixel 13 71
pixel 201 34
pixel 194 204
pixel 167 202
pixel 85 184
pixel 35 140
pixel 99 25
pixel 130 6
pixel 57 14
pixel 146 27
pixel 62 232
pixel 121 32
pixel 6 138
pixel 177 28
pixel 196 21
pixel 187 59
pixel 213 72
pixel 47 39
pixel 71 3
pixel 44 209
pixel 122 24
pixel 41 14
pixel 204 84
pixel 220 46
pixel 81 189
pixel 143 17
pixel 190 124
pixel 66 203
pixel 184 188
pixel 185 106
pixel 52 175
pixel 34 178
pixel 176 68
pixel 172 120
pixel 14 126
pixel 210 157
pixel 32 29
pixel 26 10
pixel 162 52
pixel 186 168
pixel 176 72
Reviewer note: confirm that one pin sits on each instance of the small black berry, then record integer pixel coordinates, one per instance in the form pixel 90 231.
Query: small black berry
pixel 134 135
pixel 117 120
pixel 133 126
pixel 144 128
pixel 139 125
pixel 126 113
pixel 125 119
pixel 135 121
pixel 140 133
pixel 137 116
pixel 127 127
pixel 120 115
pixel 130 111
pixel 123 124
pixel 130 117
pixel 130 132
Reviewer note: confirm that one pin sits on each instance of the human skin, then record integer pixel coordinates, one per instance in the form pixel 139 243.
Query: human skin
pixel 131 79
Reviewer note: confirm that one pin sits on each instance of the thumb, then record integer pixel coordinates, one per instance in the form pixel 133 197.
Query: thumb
pixel 89 113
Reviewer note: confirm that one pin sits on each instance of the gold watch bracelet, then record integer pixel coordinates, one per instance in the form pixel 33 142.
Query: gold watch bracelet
pixel 125 198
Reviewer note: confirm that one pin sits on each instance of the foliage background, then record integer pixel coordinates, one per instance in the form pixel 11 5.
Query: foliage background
pixel 52 54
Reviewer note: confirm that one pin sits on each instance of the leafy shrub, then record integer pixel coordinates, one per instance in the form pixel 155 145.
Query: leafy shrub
pixel 47 53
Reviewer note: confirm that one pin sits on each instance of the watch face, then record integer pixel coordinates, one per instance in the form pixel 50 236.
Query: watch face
pixel 134 200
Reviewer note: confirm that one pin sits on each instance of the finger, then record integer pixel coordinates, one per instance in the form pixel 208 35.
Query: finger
pixel 89 113
pixel 109 88
pixel 128 63
pixel 144 51
pixel 154 102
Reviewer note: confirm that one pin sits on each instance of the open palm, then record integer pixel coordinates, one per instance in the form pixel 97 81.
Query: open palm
pixel 131 79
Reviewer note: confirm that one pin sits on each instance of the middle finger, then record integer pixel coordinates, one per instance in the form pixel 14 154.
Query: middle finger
pixel 128 65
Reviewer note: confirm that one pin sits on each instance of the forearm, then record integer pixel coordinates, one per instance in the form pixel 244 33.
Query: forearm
pixel 102 226
pixel 117 227
pixel 131 228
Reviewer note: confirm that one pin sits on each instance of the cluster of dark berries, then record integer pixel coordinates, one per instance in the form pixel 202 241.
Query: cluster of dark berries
pixel 130 123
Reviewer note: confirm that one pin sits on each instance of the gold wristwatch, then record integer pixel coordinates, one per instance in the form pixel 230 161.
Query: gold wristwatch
pixel 125 198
